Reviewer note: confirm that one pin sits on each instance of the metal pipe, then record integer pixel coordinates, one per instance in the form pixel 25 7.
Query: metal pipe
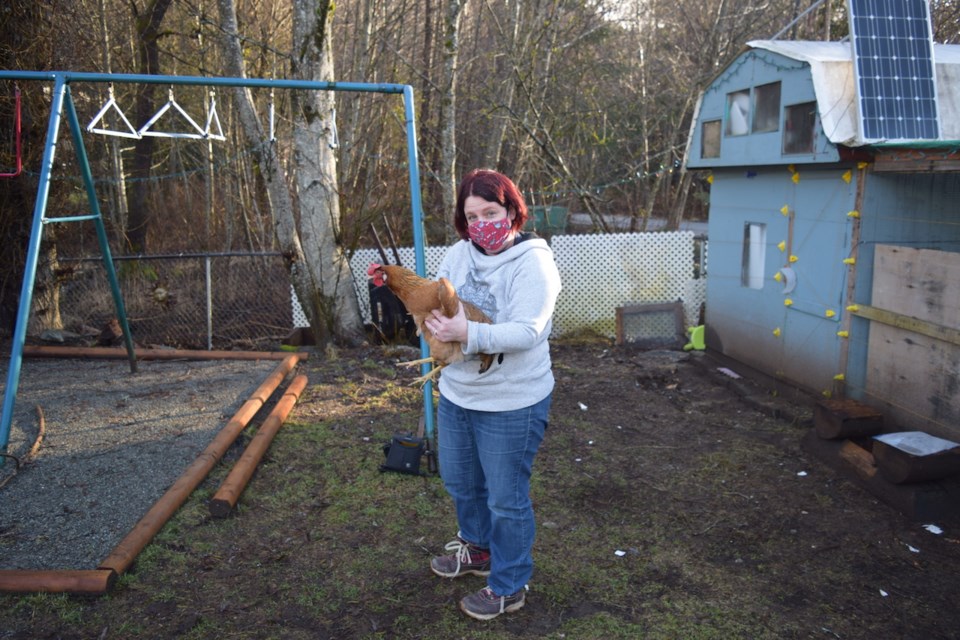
pixel 129 78
pixel 150 524
pixel 30 265
pixel 416 206
pixel 226 497
pixel 84 163
pixel 206 271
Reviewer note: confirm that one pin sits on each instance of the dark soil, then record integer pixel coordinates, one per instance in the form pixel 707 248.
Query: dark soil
pixel 672 501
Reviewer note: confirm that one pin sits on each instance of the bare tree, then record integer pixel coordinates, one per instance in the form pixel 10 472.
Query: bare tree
pixel 448 109
pixel 319 271
pixel 148 31
pixel 335 311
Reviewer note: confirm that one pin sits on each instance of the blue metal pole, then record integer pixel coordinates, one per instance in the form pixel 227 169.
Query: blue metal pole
pixel 416 205
pixel 129 78
pixel 30 267
pixel 84 163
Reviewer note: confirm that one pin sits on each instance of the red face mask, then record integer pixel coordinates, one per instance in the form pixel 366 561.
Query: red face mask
pixel 490 235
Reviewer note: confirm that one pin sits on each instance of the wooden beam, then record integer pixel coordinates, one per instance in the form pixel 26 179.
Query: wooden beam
pixel 909 323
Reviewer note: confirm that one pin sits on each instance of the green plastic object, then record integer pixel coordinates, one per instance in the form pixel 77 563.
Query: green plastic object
pixel 696 339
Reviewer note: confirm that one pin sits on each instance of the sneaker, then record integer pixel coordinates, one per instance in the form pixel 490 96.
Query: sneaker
pixel 466 558
pixel 486 605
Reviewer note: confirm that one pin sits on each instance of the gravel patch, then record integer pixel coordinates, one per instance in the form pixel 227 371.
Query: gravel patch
pixel 115 441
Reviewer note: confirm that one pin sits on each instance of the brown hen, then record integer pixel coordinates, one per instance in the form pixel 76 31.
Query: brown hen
pixel 421 296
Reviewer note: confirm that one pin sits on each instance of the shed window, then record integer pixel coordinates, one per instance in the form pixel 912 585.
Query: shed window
pixel 766 107
pixel 738 113
pixel 754 253
pixel 710 139
pixel 798 125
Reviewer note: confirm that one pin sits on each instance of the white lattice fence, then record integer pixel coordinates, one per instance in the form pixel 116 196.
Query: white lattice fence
pixel 599 274
pixel 603 272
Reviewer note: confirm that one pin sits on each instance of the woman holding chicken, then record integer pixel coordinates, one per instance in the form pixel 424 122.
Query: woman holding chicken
pixel 490 425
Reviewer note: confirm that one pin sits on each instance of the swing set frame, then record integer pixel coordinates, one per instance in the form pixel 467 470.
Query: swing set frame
pixel 62 104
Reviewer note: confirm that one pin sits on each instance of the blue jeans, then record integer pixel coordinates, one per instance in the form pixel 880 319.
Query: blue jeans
pixel 486 458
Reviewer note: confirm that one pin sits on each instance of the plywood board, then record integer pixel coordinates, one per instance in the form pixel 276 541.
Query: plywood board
pixel 917 376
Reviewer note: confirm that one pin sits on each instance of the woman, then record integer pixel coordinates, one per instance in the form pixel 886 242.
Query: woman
pixel 490 425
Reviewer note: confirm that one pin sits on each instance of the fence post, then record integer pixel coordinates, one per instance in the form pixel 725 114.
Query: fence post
pixel 206 264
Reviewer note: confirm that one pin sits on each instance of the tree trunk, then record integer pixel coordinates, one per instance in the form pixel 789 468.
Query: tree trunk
pixel 328 284
pixel 148 30
pixel 321 275
pixel 448 111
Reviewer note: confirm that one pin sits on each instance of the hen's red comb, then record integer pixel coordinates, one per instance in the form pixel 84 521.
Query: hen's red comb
pixel 372 268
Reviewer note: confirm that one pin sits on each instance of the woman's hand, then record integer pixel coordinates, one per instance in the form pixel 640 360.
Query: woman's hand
pixel 447 329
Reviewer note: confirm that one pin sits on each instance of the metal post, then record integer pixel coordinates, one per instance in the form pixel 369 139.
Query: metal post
pixel 416 205
pixel 84 163
pixel 206 265
pixel 30 266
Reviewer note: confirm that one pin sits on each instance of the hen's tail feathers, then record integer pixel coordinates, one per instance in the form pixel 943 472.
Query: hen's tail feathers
pixel 486 361
pixel 430 375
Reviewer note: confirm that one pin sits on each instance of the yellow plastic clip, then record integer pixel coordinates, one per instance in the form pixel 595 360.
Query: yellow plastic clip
pixel 853 308
pixel 788 302
pixel 830 313
pixel 785 210
pixel 847 176
pixel 843 334
pixel 850 261
pixel 793 258
pixel 853 214
pixel 839 377
pixel 796 178
pixel 776 332
pixel 782 245
pixel 710 178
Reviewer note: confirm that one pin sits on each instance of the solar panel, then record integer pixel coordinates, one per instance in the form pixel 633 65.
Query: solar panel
pixel 896 81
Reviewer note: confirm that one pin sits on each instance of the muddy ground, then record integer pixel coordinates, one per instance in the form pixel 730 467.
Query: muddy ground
pixel 672 502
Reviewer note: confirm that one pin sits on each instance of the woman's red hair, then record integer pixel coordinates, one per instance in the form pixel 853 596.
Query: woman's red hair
pixel 492 186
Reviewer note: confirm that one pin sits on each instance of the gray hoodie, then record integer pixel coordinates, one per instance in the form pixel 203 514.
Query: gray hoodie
pixel 518 290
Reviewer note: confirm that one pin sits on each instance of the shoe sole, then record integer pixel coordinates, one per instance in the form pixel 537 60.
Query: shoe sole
pixel 490 616
pixel 475 572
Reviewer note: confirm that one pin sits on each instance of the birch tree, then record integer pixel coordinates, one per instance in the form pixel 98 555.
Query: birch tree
pixel 319 272
pixel 448 109
pixel 332 297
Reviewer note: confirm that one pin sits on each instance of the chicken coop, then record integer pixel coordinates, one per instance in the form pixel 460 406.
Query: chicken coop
pixel 835 243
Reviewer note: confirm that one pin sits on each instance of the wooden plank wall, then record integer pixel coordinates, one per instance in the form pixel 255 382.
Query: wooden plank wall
pixel 916 377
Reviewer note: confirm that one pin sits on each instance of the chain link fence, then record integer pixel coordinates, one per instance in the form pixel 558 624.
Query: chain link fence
pixel 244 301
pixel 184 301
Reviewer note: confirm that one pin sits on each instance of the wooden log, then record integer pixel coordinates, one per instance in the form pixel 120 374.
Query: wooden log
pixel 30 351
pixel 143 532
pixel 92 582
pixel 223 502
pixel 846 418
pixel 858 459
pixel 921 501
pixel 899 467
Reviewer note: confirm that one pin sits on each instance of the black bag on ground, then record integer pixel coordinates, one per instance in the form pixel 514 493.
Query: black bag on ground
pixel 404 453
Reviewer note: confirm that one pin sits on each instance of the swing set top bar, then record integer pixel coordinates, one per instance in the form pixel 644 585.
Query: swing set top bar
pixel 208 81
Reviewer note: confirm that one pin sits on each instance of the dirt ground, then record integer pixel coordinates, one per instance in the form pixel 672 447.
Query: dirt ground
pixel 672 501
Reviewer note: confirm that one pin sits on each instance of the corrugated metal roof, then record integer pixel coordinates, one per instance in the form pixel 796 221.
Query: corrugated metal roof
pixel 831 68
